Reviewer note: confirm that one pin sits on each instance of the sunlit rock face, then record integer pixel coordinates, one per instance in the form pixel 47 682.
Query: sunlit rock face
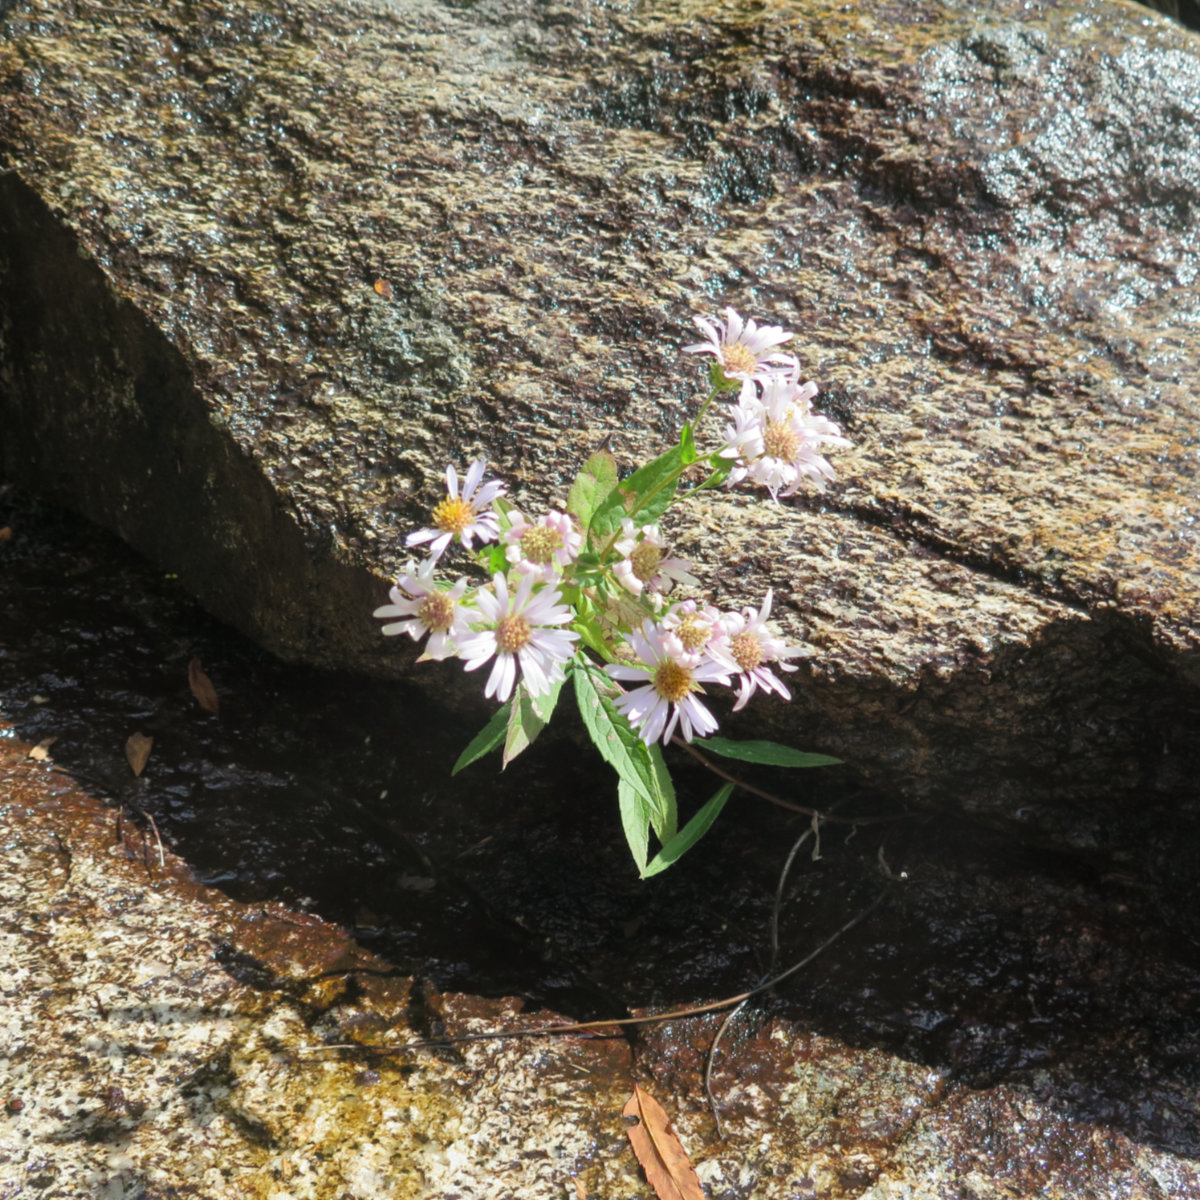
pixel 981 226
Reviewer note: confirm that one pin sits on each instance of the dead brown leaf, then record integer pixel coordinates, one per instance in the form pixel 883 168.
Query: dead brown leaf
pixel 664 1160
pixel 383 288
pixel 41 751
pixel 202 688
pixel 6 534
pixel 137 751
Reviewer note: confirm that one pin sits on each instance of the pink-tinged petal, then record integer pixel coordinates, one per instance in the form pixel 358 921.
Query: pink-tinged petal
pixel 489 605
pixel 500 682
pixel 619 671
pixel 656 719
pixel 488 493
pixel 451 481
pixel 476 650
pixel 474 475
pixel 537 682
pixel 439 647
pixel 733 326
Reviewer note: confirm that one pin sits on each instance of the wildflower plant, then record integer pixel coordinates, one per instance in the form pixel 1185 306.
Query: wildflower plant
pixel 590 593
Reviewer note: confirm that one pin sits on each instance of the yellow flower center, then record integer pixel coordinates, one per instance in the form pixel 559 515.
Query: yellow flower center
pixel 539 542
pixel 512 634
pixel 644 560
pixel 780 441
pixel 693 632
pixel 453 515
pixel 436 612
pixel 673 682
pixel 746 649
pixel 738 358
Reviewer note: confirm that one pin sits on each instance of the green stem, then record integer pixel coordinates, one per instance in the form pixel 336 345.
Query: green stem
pixel 671 479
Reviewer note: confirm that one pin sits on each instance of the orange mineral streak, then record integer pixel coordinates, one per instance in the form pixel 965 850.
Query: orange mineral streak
pixel 512 634
pixel 673 682
pixel 453 515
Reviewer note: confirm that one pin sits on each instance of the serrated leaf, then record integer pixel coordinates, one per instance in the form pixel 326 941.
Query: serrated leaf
pixel 595 480
pixel 486 740
pixel 644 496
pixel 635 821
pixel 690 834
pixel 620 747
pixel 770 754
pixel 664 816
pixel 528 716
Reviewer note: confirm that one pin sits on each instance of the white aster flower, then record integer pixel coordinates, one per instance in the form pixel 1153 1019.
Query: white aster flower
pixel 645 562
pixel 543 549
pixel 744 349
pixel 692 627
pixel 519 631
pixel 427 609
pixel 670 685
pixel 749 647
pixel 462 516
pixel 776 438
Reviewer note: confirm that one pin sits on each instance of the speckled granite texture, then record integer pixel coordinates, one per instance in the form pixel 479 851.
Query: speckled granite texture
pixel 153 1036
pixel 981 223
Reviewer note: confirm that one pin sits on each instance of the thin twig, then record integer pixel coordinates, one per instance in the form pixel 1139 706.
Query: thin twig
pixel 162 862
pixel 612 1022
pixel 708 1066
pixel 711 1057
pixel 778 905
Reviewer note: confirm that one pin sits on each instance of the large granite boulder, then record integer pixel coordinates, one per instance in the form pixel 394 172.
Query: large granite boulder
pixel 982 226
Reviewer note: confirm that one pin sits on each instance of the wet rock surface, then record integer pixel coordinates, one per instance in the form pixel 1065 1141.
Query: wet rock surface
pixel 993 288
pixel 1012 1019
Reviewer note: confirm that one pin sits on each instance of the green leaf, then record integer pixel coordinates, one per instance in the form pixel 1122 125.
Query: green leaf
pixel 665 815
pixel 770 753
pixel 690 834
pixel 644 495
pixel 687 445
pixel 527 718
pixel 621 748
pixel 635 820
pixel 595 480
pixel 495 558
pixel 486 740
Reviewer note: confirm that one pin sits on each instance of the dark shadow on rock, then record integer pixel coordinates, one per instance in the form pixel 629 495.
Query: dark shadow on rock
pixel 1071 972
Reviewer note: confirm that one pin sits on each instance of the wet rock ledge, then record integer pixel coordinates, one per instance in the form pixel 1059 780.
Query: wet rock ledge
pixel 982 225
pixel 156 1043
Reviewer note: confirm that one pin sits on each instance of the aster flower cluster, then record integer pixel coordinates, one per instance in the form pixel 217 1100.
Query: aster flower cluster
pixel 589 590
pixel 773 437
pixel 513 623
